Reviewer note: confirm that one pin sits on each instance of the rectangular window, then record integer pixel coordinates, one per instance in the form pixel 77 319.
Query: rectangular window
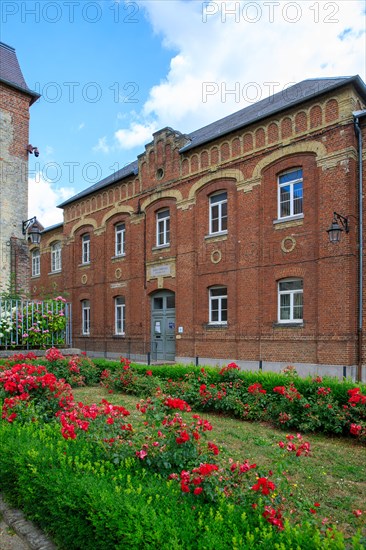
pixel 36 263
pixel 56 257
pixel 218 213
pixel 120 311
pixel 290 301
pixel 120 236
pixel 85 317
pixel 85 249
pixel 163 228
pixel 290 194
pixel 218 306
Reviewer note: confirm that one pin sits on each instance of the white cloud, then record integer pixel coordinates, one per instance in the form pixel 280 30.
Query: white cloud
pixel 102 145
pixel 238 43
pixel 136 135
pixel 43 199
pixel 81 126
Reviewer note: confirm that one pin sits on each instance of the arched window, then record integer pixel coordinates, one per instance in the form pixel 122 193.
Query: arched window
pixel 36 263
pixel 290 194
pixel 119 315
pixel 120 239
pixel 56 257
pixel 290 301
pixel 85 317
pixel 218 305
pixel 85 249
pixel 163 228
pixel 218 213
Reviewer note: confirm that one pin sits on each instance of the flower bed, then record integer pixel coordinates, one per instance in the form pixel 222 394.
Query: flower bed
pixel 76 370
pixel 285 400
pixel 86 474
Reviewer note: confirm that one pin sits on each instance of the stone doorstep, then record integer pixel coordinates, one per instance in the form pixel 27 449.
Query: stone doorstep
pixel 26 530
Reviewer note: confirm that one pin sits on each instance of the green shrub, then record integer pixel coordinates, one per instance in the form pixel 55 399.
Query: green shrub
pixel 100 506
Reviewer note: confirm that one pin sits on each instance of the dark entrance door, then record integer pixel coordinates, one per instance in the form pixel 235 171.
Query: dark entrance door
pixel 163 326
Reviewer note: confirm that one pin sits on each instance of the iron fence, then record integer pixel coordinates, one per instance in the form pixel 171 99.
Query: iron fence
pixel 35 324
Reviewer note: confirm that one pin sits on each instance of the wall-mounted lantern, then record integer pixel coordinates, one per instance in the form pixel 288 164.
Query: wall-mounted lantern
pixel 31 230
pixel 335 230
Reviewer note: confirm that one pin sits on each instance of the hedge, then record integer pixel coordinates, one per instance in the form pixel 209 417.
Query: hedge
pixel 96 505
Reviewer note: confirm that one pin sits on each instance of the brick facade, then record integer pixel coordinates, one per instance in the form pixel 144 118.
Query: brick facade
pixel 15 100
pixel 248 260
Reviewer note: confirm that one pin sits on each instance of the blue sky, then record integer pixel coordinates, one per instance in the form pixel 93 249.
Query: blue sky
pixel 113 72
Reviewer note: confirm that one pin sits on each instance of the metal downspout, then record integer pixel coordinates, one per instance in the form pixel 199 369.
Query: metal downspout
pixel 360 244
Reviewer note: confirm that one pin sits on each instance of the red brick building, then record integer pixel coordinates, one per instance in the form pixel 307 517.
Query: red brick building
pixel 213 245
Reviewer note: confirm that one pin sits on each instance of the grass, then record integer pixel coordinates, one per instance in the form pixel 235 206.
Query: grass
pixel 334 474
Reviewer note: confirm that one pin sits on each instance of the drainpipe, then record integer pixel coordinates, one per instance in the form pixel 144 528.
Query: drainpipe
pixel 357 115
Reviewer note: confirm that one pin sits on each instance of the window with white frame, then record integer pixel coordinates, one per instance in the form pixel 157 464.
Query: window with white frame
pixel 218 305
pixel 163 228
pixel 85 317
pixel 119 315
pixel 36 263
pixel 85 249
pixel 290 194
pixel 120 238
pixel 218 213
pixel 290 301
pixel 56 257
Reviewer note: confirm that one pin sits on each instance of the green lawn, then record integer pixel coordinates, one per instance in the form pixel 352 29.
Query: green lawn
pixel 334 474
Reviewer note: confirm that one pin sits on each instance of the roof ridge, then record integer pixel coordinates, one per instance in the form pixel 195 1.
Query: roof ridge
pixel 268 106
pixel 7 46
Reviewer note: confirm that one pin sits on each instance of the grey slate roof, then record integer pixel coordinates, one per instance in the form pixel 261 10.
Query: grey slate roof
pixel 128 170
pixel 11 73
pixel 51 227
pixel 285 99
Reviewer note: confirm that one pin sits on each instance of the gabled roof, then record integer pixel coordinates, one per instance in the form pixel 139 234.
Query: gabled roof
pixel 11 73
pixel 51 227
pixel 285 99
pixel 289 97
pixel 128 170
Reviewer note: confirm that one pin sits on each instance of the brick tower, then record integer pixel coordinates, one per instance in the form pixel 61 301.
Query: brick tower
pixel 15 100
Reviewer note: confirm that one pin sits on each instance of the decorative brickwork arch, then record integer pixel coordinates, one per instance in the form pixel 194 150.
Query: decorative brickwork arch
pixel 116 210
pixel 288 272
pixel 230 173
pixel 86 221
pixel 171 194
pixel 305 147
pixel 316 116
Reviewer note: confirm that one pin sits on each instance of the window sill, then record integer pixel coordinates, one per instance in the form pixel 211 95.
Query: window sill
pixel 220 236
pixel 58 272
pixel 280 221
pixel 35 276
pixel 215 326
pixel 119 336
pixel 161 247
pixel 300 324
pixel 119 257
pixel 85 265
